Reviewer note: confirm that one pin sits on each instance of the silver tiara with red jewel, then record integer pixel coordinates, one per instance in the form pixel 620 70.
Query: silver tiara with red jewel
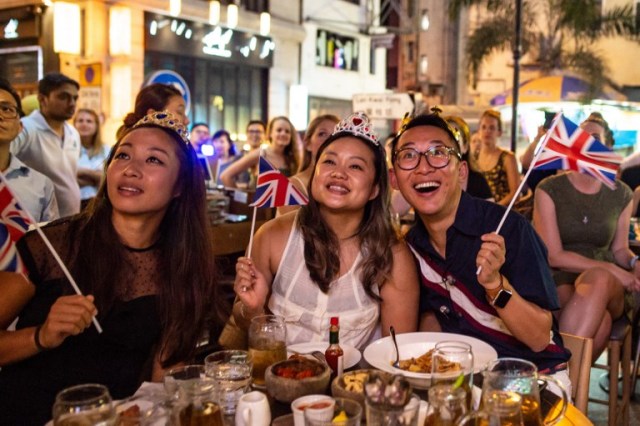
pixel 358 125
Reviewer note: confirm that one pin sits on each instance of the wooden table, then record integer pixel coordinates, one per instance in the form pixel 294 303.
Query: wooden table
pixel 231 238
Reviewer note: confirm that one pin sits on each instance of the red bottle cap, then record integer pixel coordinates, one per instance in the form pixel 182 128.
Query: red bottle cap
pixel 334 320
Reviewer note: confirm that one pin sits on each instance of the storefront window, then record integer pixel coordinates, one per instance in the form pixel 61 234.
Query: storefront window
pixel 226 96
pixel 337 51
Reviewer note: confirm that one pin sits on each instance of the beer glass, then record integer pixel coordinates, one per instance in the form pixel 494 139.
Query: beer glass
pixel 520 376
pixel 267 344
pixel 501 408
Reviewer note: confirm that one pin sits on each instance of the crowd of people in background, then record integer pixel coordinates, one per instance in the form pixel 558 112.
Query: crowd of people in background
pixel 130 222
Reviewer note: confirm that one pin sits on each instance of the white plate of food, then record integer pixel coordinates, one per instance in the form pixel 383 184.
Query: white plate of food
pixel 381 354
pixel 352 356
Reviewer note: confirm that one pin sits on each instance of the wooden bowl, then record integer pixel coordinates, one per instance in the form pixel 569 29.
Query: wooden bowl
pixel 351 385
pixel 287 389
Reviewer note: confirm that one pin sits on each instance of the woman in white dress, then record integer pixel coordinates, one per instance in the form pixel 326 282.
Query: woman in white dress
pixel 337 256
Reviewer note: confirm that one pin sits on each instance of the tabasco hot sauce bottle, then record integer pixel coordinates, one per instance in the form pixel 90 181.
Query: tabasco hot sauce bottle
pixel 334 353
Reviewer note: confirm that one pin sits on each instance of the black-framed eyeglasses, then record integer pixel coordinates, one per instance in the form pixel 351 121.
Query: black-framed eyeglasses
pixel 8 111
pixel 437 157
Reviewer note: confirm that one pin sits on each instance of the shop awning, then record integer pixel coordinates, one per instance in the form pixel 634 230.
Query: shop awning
pixel 555 88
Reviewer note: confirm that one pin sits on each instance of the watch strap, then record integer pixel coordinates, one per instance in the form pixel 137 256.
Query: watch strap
pixel 501 300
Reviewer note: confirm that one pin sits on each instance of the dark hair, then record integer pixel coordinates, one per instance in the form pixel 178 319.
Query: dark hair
pixel 260 122
pixel 377 237
pixel 597 118
pixel 492 113
pixel 154 96
pixel 187 297
pixel 291 151
pixel 194 125
pixel 232 146
pixel 54 81
pixel 311 129
pixel 7 87
pixel 434 120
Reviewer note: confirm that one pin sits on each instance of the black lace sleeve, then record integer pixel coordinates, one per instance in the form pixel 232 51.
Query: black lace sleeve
pixel 37 257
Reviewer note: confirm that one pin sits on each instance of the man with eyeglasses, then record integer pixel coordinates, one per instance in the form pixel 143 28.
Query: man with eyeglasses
pixel 497 288
pixel 34 190
pixel 255 133
pixel 49 144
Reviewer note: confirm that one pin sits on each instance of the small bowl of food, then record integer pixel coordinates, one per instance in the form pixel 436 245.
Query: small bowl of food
pixel 314 402
pixel 351 385
pixel 293 378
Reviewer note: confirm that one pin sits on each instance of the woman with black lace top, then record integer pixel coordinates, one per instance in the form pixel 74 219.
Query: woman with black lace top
pixel 141 256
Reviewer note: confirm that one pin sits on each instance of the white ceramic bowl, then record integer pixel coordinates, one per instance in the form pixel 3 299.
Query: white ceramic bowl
pixel 297 406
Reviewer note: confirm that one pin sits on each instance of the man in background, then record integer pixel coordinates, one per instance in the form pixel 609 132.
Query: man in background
pixel 200 135
pixel 33 189
pixel 256 131
pixel 49 144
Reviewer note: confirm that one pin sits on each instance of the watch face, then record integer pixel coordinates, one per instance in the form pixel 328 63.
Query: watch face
pixel 502 299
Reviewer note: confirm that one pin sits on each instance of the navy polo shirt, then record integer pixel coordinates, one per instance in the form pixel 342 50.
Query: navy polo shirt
pixel 451 290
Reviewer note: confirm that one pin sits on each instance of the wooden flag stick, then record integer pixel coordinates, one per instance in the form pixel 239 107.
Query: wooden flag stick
pixel 538 152
pixel 253 227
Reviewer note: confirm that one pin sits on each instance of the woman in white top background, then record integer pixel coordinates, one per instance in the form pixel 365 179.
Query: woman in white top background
pixel 282 153
pixel 337 256
pixel 93 153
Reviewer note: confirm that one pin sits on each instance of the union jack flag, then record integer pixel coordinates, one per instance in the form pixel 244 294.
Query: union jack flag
pixel 13 225
pixel 569 147
pixel 274 189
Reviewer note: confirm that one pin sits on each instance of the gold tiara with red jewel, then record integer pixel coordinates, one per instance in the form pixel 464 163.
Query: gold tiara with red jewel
pixel 358 125
pixel 166 120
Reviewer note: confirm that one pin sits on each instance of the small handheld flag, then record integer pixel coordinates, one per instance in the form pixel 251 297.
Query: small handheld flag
pixel 566 146
pixel 569 147
pixel 14 223
pixel 273 189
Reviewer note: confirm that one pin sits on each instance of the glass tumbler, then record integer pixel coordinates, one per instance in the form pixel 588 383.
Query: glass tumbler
pixel 231 372
pixel 84 404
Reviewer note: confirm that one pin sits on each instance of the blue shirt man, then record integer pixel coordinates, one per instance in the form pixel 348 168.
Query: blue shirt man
pixel 459 301
pixel 495 287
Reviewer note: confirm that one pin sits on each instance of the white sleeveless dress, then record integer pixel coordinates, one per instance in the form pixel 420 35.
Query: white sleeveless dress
pixel 307 310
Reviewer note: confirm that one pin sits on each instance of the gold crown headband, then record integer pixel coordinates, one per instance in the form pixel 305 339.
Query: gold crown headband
pixel 436 111
pixel 166 120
